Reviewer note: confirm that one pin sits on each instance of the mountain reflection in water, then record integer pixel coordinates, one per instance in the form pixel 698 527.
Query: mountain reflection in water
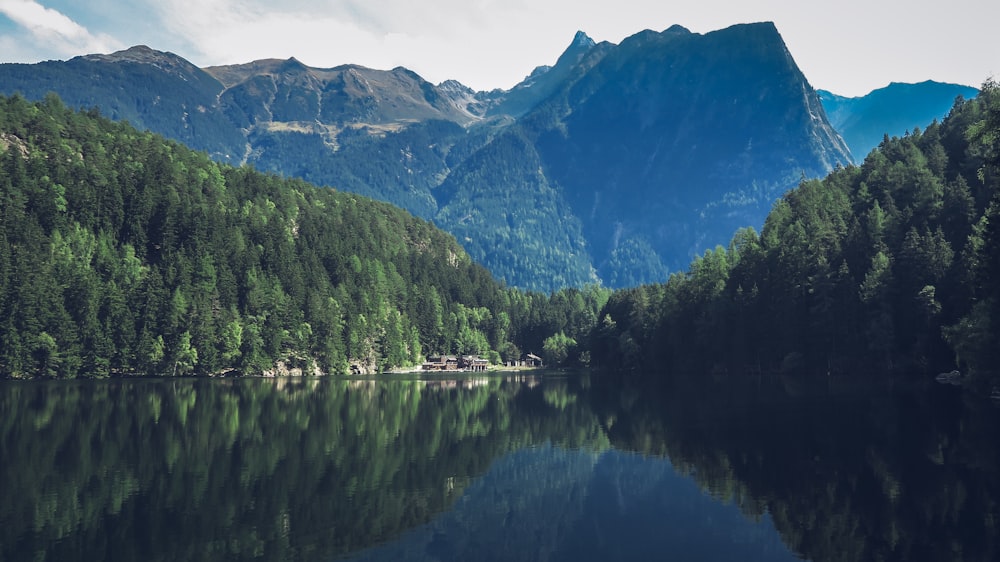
pixel 495 468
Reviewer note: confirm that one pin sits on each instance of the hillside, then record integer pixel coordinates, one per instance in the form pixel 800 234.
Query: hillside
pixel 122 252
pixel 678 138
pixel 673 140
pixel 891 266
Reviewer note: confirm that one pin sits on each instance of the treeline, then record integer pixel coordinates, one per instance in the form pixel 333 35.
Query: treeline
pixel 122 253
pixel 891 265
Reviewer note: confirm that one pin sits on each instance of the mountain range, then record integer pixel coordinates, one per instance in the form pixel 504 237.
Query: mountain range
pixel 616 165
pixel 893 110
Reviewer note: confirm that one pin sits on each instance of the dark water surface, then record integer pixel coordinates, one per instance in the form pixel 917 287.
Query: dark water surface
pixel 496 468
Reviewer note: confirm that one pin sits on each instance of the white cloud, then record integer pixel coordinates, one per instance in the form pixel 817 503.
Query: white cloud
pixel 53 31
pixel 448 39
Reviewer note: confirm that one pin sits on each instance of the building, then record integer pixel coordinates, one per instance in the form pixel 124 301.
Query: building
pixel 470 363
pixel 532 360
pixel 441 363
pixel 474 363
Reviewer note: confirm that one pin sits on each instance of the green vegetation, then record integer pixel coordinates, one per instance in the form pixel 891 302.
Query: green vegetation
pixel 122 253
pixel 513 219
pixel 615 166
pixel 887 266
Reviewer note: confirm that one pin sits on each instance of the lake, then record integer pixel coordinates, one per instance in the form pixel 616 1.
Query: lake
pixel 500 467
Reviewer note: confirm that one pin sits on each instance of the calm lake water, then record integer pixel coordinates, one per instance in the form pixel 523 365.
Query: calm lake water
pixel 496 468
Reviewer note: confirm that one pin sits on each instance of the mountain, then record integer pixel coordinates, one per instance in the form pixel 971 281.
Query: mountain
pixel 617 164
pixel 642 155
pixel 545 80
pixel 673 140
pixel 122 253
pixel 150 89
pixel 892 266
pixel 864 121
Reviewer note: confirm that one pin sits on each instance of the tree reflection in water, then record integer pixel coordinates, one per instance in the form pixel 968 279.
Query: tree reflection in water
pixel 495 468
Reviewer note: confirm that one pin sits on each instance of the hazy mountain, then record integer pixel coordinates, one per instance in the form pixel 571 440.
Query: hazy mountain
pixel 616 164
pixel 546 80
pixel 863 121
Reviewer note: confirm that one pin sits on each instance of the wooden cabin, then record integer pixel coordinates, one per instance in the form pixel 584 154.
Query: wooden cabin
pixel 532 360
pixel 441 363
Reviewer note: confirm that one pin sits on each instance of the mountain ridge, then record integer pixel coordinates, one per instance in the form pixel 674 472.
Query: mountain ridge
pixel 892 110
pixel 663 145
pixel 437 149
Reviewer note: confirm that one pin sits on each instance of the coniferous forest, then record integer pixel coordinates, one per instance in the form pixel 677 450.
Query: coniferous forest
pixel 124 253
pixel 890 266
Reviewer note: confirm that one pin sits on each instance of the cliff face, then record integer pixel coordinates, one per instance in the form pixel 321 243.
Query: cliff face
pixel 673 140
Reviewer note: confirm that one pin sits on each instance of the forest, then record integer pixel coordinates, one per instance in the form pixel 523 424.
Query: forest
pixel 124 253
pixel 886 267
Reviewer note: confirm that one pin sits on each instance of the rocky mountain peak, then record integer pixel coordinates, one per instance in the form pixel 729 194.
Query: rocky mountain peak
pixel 581 44
pixel 581 39
pixel 679 29
pixel 142 54
pixel 159 61
pixel 293 65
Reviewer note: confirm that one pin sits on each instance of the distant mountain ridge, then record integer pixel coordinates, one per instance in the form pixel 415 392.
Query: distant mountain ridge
pixel 893 110
pixel 617 164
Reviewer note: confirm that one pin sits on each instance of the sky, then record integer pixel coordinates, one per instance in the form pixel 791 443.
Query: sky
pixel 849 47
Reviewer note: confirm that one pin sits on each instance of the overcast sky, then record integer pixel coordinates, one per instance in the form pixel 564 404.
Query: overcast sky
pixel 849 47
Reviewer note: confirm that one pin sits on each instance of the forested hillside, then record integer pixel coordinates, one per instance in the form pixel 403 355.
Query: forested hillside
pixel 617 165
pixel 122 252
pixel 893 265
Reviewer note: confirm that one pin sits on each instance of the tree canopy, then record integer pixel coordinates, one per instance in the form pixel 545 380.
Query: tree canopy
pixel 122 252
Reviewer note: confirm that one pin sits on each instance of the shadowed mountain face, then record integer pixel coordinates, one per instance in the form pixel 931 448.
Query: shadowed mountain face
pixel 864 121
pixel 673 141
pixel 617 164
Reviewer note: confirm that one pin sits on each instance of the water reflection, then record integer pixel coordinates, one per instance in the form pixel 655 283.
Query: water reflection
pixel 848 469
pixel 281 469
pixel 548 503
pixel 518 468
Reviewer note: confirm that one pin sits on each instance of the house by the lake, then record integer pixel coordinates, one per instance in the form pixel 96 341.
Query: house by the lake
pixel 441 363
pixel 532 360
pixel 473 363
pixel 469 363
pixel 526 360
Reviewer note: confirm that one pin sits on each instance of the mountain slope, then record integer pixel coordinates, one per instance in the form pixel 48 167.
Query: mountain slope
pixel 150 89
pixel 121 253
pixel 864 121
pixel 892 266
pixel 671 141
pixel 510 217
pixel 624 160
pixel 546 80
